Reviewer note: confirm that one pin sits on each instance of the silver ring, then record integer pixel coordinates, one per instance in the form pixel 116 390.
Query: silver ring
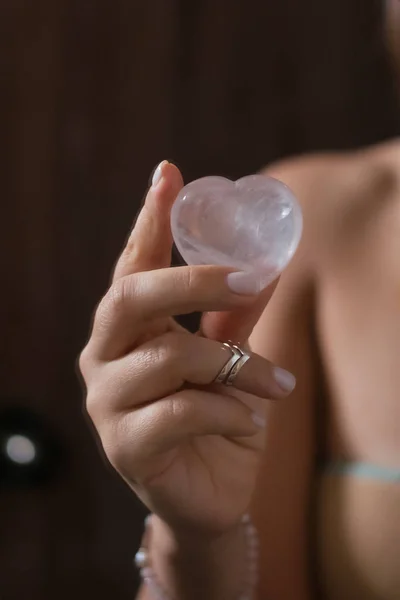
pixel 237 366
pixel 236 355
pixel 230 370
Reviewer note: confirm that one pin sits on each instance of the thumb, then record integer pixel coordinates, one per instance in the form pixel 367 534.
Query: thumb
pixel 236 325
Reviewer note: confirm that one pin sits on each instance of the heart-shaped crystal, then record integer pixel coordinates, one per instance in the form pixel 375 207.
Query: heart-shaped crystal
pixel 253 224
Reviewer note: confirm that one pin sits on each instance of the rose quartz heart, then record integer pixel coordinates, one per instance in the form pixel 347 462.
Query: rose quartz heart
pixel 253 224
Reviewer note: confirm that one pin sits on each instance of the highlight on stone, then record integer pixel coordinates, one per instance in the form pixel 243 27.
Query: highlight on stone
pixel 253 224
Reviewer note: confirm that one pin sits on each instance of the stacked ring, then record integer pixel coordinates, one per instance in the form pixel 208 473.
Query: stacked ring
pixel 231 368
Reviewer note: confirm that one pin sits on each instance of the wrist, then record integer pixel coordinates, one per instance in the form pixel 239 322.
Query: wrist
pixel 197 566
pixel 175 543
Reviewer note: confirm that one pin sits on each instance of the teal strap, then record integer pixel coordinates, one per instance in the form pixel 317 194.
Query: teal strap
pixel 366 470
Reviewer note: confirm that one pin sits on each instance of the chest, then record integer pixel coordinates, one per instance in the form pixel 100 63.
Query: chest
pixel 359 337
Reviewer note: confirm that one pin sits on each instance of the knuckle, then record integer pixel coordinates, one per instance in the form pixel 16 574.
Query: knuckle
pixel 92 406
pixel 97 401
pixel 160 354
pixel 84 361
pixel 179 410
pixel 169 350
pixel 116 301
pixel 121 293
pixel 192 278
pixel 103 314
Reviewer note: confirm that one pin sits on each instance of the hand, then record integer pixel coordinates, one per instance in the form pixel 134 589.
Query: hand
pixel 190 449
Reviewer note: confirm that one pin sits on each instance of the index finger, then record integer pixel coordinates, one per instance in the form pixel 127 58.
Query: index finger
pixel 136 301
pixel 149 244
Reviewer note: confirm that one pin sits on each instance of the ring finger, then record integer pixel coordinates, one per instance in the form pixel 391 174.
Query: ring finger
pixel 165 364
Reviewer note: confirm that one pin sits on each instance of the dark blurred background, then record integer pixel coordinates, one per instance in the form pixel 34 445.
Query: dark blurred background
pixel 94 93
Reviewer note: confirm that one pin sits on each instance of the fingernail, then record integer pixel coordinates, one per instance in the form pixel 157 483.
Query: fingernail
pixel 284 379
pixel 259 421
pixel 243 282
pixel 157 175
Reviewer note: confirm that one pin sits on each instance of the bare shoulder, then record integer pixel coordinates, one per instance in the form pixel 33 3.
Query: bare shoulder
pixel 339 192
pixel 334 177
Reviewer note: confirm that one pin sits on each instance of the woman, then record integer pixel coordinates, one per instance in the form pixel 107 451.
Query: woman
pixel 319 471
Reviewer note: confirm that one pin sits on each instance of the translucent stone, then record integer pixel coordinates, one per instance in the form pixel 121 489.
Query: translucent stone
pixel 253 224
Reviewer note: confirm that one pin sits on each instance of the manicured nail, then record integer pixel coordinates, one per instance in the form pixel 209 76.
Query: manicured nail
pixel 243 282
pixel 284 379
pixel 259 421
pixel 158 173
